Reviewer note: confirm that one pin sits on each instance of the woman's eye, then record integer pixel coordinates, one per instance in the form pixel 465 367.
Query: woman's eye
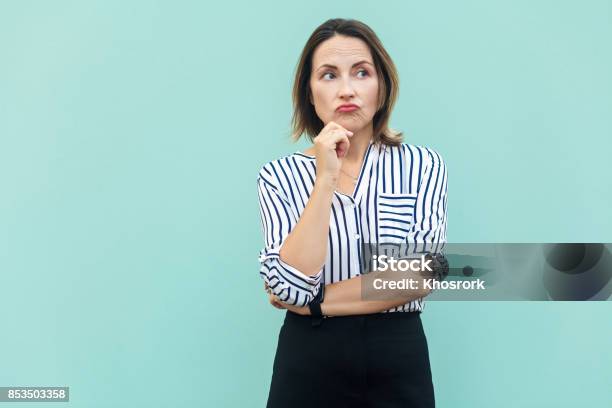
pixel 325 75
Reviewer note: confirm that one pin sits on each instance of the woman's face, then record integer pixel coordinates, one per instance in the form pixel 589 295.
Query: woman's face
pixel 343 72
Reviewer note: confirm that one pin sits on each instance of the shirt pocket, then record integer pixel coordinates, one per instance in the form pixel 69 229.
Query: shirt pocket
pixel 395 212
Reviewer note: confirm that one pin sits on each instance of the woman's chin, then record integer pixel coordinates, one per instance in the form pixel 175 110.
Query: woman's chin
pixel 349 123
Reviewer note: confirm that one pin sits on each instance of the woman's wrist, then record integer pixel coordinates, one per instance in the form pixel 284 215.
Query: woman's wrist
pixel 326 182
pixel 325 309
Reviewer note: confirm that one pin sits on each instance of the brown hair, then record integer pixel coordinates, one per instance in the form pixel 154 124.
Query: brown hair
pixel 305 119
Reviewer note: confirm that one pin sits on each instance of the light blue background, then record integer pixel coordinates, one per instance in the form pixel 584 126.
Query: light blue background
pixel 131 134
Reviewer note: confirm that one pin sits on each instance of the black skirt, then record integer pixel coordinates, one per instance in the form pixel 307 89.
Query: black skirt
pixel 376 360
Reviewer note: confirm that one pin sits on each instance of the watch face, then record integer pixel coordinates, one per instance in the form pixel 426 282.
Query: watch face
pixel 439 265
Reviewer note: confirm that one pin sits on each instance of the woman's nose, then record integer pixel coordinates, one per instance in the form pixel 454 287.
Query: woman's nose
pixel 346 88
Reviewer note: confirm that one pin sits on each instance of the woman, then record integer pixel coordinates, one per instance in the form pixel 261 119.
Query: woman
pixel 358 184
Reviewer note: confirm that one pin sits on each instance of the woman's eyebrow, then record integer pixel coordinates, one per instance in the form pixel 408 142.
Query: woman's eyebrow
pixel 353 66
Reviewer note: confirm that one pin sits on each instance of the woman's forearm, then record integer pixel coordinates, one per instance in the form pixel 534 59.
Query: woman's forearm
pixel 346 297
pixel 305 248
pixel 370 293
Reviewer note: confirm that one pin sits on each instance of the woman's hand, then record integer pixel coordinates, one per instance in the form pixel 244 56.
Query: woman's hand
pixel 274 301
pixel 272 298
pixel 331 145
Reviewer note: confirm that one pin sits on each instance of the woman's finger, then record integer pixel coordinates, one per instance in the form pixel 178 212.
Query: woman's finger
pixel 275 302
pixel 342 145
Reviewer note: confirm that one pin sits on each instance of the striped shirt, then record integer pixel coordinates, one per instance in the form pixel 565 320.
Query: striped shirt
pixel 400 197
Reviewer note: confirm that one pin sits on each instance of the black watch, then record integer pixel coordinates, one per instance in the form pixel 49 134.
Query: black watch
pixel 315 306
pixel 439 264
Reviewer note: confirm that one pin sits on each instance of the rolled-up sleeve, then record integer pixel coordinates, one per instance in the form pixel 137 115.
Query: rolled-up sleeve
pixel 278 219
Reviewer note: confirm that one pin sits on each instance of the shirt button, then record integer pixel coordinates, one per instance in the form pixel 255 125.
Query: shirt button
pixel 357 236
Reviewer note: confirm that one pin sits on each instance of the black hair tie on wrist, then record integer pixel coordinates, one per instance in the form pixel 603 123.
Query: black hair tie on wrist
pixel 315 307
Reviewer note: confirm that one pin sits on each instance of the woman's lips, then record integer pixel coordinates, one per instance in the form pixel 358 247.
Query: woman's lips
pixel 347 108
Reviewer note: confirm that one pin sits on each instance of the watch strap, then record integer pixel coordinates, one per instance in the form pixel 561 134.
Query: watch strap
pixel 315 306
